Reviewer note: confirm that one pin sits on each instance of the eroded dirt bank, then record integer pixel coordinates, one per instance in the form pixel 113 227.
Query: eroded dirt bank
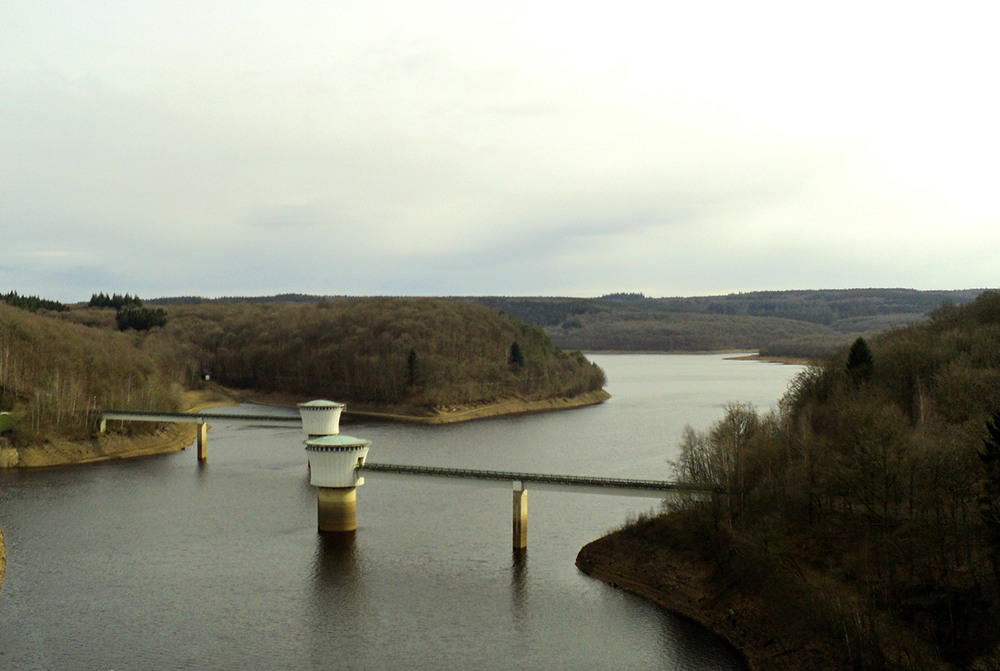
pixel 684 584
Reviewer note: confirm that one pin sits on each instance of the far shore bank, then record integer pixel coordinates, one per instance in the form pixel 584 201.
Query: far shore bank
pixel 448 415
pixel 788 360
pixel 735 355
pixel 175 437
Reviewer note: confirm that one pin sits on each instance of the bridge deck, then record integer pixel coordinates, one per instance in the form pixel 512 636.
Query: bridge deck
pixel 581 483
pixel 198 417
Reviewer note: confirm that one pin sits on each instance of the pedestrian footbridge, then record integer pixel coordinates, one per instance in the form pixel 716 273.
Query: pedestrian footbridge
pixel 337 462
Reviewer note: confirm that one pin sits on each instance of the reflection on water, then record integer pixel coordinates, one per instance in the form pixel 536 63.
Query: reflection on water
pixel 335 557
pixel 164 563
pixel 519 584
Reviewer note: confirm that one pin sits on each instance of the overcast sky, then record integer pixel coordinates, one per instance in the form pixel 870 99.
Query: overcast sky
pixel 224 147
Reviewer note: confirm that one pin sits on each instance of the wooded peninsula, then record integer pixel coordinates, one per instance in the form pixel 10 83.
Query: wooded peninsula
pixel 416 358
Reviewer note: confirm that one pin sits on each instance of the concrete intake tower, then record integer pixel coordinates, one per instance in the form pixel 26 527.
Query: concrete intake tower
pixel 333 460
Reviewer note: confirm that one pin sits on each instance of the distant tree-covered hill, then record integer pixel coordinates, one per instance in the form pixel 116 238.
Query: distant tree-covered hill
pixel 803 323
pixel 794 323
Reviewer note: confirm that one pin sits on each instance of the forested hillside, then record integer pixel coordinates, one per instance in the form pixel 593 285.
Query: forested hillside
pixel 58 370
pixel 803 324
pixel 55 376
pixel 383 351
pixel 868 509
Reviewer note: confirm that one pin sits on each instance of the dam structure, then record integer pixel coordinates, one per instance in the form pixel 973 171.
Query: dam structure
pixel 337 464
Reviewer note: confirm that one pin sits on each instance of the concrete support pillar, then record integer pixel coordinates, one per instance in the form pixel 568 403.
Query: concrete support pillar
pixel 335 508
pixel 104 425
pixel 202 442
pixel 520 516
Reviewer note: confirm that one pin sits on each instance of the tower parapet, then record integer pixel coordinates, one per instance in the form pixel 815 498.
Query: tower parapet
pixel 333 460
pixel 321 418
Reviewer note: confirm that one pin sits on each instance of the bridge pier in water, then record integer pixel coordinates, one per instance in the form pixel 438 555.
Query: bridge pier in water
pixel 336 463
pixel 202 443
pixel 336 509
pixel 520 527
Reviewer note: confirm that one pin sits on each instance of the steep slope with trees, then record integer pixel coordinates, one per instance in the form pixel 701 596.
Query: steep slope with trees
pixel 861 520
pixel 55 376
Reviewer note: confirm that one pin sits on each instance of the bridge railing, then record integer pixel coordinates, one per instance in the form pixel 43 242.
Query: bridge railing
pixel 198 417
pixel 547 480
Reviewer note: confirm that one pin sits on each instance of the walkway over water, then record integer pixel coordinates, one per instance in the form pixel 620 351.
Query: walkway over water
pixel 339 465
pixel 543 481
pixel 198 417
pixel 546 481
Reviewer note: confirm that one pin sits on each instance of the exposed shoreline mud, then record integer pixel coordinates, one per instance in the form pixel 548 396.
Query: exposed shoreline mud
pixel 683 583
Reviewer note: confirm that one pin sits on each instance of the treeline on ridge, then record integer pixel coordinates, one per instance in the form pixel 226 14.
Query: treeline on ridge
pixel 802 324
pixel 31 303
pixel 130 313
pixel 868 506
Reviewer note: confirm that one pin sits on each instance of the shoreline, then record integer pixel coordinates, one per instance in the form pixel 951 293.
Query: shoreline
pixel 176 437
pixel 113 447
pixel 509 407
pixel 687 585
pixel 505 408
pixel 680 587
pixel 736 355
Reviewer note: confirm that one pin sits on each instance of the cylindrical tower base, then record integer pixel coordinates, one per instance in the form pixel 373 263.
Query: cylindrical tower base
pixel 335 508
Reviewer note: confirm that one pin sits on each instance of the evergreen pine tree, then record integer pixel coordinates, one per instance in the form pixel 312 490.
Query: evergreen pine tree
pixel 516 359
pixel 860 362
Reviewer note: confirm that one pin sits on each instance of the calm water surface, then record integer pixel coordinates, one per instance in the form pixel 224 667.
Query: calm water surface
pixel 162 564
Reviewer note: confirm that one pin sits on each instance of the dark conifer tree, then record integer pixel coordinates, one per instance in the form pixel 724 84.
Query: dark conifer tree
pixel 516 359
pixel 860 362
pixel 411 367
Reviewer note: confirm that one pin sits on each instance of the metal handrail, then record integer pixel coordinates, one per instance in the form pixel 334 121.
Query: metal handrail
pixel 541 478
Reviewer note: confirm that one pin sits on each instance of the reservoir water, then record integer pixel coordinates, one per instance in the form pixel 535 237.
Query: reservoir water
pixel 161 563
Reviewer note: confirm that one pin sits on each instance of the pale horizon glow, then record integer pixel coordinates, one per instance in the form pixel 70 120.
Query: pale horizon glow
pixel 530 148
